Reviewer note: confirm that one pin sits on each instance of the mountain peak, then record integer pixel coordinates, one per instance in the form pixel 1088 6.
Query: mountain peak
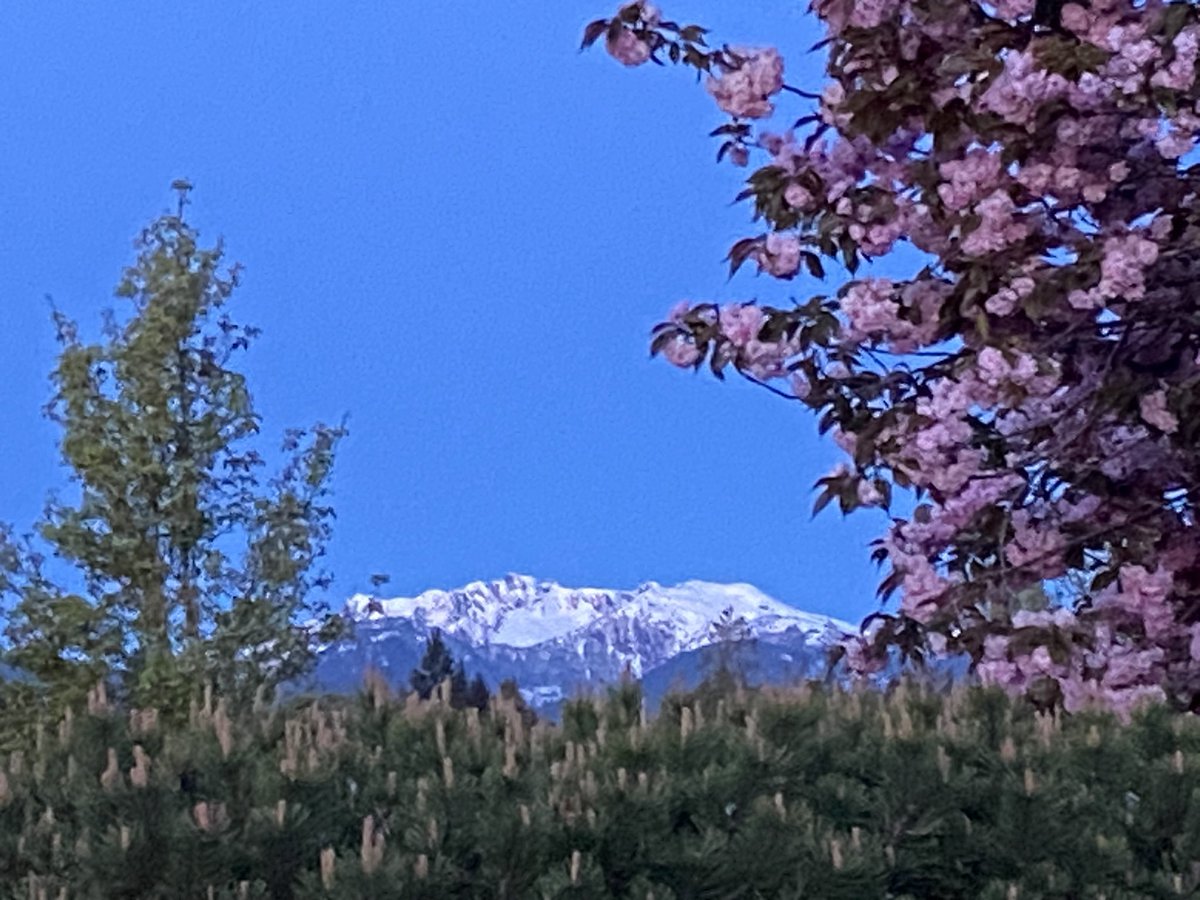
pixel 556 639
pixel 522 611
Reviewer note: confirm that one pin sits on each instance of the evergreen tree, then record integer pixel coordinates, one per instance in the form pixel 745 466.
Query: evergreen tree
pixel 195 568
pixel 458 686
pixel 477 694
pixel 435 667
pixel 730 635
pixel 510 692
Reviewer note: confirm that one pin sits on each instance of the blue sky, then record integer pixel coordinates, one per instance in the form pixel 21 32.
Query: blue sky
pixel 457 230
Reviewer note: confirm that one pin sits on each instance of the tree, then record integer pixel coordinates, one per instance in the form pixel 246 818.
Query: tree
pixel 196 569
pixel 730 634
pixel 437 664
pixel 476 694
pixel 1032 385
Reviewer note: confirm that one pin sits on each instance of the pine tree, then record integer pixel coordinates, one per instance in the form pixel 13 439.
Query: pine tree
pixel 156 428
pixel 731 636
pixel 436 666
pixel 458 686
pixel 477 694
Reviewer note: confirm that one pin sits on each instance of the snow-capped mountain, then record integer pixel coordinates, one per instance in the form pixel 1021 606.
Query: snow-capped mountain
pixel 557 640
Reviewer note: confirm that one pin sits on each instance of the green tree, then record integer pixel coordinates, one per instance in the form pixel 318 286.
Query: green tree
pixel 437 664
pixel 196 567
pixel 477 693
pixel 731 636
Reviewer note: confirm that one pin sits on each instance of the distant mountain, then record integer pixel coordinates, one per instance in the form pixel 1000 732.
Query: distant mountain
pixel 556 641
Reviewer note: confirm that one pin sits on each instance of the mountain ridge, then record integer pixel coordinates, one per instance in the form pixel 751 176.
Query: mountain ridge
pixel 557 640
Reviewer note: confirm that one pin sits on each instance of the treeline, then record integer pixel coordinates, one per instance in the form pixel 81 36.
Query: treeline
pixel 809 792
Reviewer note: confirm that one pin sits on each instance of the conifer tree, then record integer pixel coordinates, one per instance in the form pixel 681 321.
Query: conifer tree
pixel 436 666
pixel 477 694
pixel 458 686
pixel 195 567
pixel 730 634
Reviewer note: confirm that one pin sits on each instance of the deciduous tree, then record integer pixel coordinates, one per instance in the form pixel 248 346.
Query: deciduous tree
pixel 1033 382
pixel 193 566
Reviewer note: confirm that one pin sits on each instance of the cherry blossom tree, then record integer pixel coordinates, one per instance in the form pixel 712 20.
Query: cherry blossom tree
pixel 1032 387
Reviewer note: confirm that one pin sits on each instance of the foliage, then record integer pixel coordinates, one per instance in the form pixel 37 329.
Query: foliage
pixel 195 568
pixel 437 666
pixel 1034 382
pixel 804 792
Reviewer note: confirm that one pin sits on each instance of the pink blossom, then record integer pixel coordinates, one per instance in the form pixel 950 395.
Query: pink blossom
pixel 741 322
pixel 1005 301
pixel 1021 88
pixel 846 440
pixel 837 370
pixel 1043 618
pixel 1014 9
pixel 1139 53
pixel 779 255
pixel 1075 17
pixel 999 673
pixel 1036 543
pixel 1180 73
pixel 970 179
pixel 1154 411
pixel 1124 449
pixel 872 13
pixel 998 227
pixel 922 301
pixel 1122 270
pixel 871 307
pixel 627 48
pixel 1038 663
pixel 832 98
pixel 745 87
pixel 1005 420
pixel 797 196
pixel 922 588
pixel 840 14
pixel 682 352
pixel 869 494
pixel 1175 143
pixel 859 658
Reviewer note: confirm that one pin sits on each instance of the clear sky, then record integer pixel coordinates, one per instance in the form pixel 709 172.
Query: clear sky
pixel 457 230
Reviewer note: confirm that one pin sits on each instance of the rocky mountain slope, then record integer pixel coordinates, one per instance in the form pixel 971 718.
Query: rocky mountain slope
pixel 558 640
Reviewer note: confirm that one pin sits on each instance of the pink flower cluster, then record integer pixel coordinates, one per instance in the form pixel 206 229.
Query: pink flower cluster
pixel 629 46
pixel 779 255
pixel 1122 272
pixel 1057 228
pixel 748 82
pixel 968 180
pixel 842 14
pixel 1105 669
pixel 1154 411
pixel 1021 89
pixel 1180 73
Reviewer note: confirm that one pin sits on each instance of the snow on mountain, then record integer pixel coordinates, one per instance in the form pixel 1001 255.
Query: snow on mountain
pixel 556 640
pixel 643 626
